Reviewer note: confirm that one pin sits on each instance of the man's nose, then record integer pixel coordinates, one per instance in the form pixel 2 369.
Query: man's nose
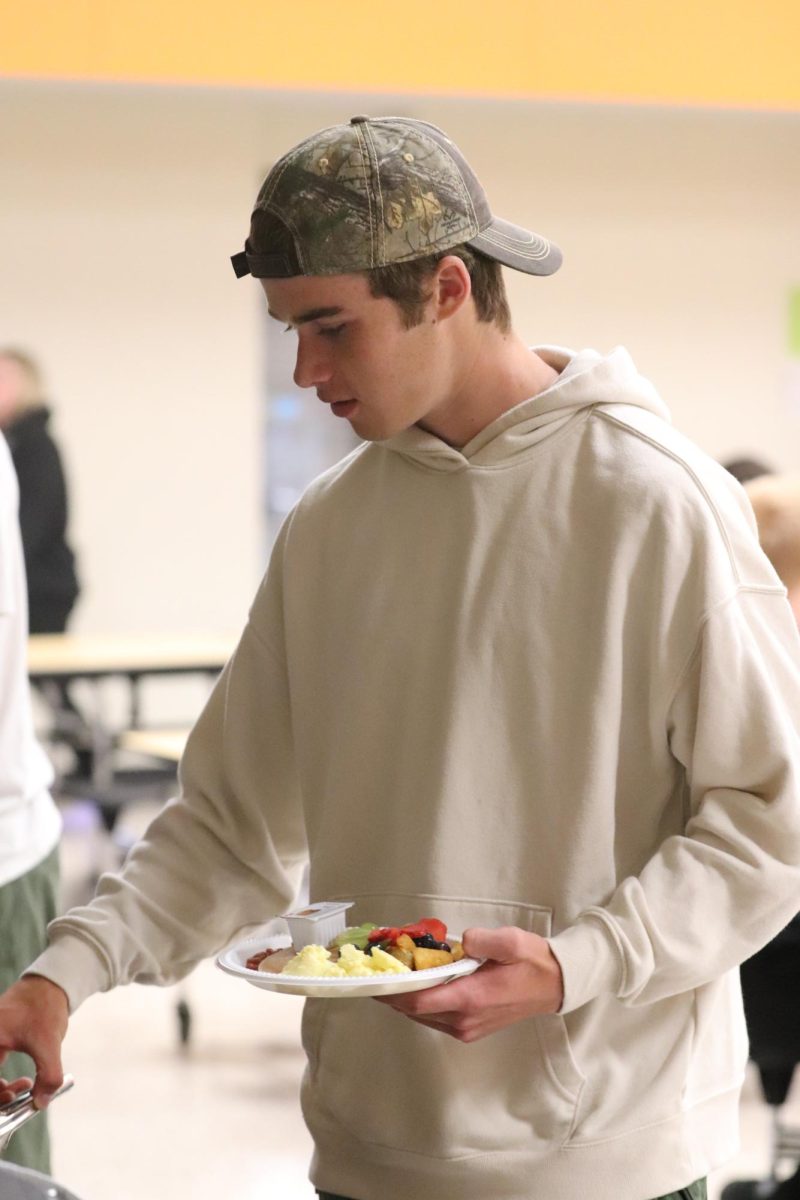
pixel 312 367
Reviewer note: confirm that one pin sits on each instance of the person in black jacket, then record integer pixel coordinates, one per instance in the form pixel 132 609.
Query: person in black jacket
pixel 49 561
pixel 771 978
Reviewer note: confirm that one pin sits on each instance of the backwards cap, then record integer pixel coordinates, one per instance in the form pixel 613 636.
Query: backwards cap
pixel 376 191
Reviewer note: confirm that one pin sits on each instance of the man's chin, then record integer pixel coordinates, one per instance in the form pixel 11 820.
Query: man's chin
pixel 374 435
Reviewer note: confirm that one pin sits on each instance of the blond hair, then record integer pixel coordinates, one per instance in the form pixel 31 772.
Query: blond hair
pixel 776 504
pixel 32 390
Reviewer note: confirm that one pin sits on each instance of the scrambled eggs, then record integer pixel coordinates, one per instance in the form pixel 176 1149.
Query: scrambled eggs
pixel 316 961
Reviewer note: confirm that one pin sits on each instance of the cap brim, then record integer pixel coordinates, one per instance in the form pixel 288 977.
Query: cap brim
pixel 517 248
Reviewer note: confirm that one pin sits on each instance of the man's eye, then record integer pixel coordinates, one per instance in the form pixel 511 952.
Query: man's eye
pixel 331 331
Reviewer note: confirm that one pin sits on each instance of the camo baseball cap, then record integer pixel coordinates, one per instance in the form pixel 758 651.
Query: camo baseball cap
pixel 376 191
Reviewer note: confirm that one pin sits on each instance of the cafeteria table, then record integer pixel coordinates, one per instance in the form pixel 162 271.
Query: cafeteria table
pixel 65 657
pixel 164 744
pixel 57 660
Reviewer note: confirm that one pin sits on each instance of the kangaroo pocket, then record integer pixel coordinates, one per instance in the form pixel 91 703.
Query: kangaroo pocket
pixel 392 1082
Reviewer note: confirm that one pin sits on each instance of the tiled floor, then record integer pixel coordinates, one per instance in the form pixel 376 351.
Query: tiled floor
pixel 147 1118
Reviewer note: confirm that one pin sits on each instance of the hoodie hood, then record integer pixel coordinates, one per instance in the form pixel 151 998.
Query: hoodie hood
pixel 585 379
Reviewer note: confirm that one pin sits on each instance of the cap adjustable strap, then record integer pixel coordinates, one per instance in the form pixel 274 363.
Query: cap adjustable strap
pixel 263 266
pixel 240 264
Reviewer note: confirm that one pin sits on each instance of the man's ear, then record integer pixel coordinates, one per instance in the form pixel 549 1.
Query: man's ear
pixel 452 286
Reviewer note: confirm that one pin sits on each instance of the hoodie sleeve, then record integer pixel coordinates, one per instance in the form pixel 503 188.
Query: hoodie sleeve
pixel 711 897
pixel 224 856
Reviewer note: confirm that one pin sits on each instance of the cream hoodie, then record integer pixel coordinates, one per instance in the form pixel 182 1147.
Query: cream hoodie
pixel 548 680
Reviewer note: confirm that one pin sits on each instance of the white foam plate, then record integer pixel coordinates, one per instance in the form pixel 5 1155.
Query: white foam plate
pixel 233 962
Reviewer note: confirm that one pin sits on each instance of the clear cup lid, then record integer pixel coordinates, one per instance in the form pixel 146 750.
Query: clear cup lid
pixel 319 912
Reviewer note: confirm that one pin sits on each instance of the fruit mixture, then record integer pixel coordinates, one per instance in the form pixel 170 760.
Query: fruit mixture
pixel 366 950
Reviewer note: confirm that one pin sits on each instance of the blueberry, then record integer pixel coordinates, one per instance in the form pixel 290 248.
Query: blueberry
pixel 428 942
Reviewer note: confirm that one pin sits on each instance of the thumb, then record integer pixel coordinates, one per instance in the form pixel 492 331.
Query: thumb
pixel 46 1053
pixel 507 944
pixel 49 1073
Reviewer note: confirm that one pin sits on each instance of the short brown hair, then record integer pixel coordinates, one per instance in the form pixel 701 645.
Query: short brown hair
pixel 405 284
pixel 402 282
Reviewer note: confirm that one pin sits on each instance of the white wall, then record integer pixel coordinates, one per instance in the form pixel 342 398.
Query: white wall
pixel 120 206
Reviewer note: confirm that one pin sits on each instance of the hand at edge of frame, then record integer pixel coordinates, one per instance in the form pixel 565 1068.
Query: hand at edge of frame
pixel 34 1014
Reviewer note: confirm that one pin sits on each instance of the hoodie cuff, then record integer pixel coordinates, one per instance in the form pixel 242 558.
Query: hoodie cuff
pixel 590 963
pixel 75 966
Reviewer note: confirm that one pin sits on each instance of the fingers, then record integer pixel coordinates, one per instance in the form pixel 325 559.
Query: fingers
pixel 462 1026
pixel 49 1074
pixel 456 1031
pixel 33 1020
pixel 452 1023
pixel 519 978
pixel 440 1025
pixel 446 998
pixel 9 1089
pixel 525 953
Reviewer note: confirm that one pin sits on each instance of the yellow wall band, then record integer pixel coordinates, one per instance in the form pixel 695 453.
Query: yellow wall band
pixel 704 52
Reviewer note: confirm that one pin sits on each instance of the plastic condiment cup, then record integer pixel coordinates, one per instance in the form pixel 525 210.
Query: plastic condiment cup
pixel 317 924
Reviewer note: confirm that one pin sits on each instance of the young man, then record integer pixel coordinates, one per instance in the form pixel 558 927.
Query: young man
pixel 488 678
